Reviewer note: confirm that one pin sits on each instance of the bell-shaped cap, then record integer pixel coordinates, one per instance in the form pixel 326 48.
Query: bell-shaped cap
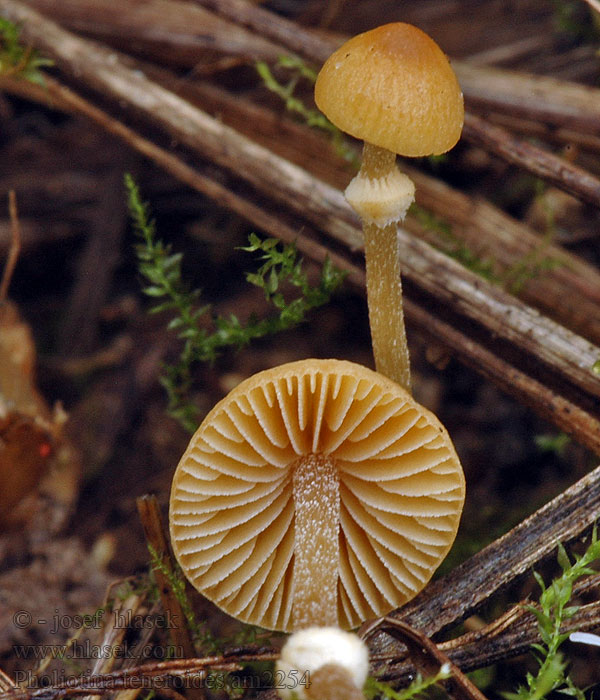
pixel 393 87
pixel 397 485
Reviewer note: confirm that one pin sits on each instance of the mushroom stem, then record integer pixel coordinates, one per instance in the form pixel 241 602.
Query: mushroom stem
pixel 316 492
pixel 376 161
pixel 333 682
pixel 384 286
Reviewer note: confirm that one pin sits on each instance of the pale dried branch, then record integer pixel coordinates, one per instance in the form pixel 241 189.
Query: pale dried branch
pixel 170 30
pixel 568 292
pixel 282 31
pixel 536 160
pixel 562 360
pixel 459 594
pixel 556 102
pixel 549 100
pixel 512 634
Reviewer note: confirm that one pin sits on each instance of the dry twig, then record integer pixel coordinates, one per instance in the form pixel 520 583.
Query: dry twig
pixel 15 247
pixel 536 160
pixel 149 512
pixel 425 655
pixel 511 329
pixel 458 595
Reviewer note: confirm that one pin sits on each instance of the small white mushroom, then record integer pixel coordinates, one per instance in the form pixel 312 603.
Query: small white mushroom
pixel 323 663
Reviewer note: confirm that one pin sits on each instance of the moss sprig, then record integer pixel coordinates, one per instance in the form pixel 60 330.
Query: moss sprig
pixel 419 686
pixel 201 635
pixel 312 117
pixel 553 611
pixel 16 59
pixel 161 270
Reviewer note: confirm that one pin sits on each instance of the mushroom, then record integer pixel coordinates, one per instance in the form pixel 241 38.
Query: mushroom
pixel 393 88
pixel 315 493
pixel 322 663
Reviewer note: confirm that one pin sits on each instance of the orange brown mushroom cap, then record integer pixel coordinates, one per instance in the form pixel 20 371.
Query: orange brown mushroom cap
pixel 393 87
pixel 317 492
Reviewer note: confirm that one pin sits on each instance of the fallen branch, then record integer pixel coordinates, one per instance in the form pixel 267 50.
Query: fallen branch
pixel 510 635
pixel 557 357
pixel 459 594
pixel 542 98
pixel 558 103
pixel 536 160
pixel 169 30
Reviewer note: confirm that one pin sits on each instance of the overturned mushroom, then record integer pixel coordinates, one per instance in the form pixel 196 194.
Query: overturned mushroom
pixel 315 493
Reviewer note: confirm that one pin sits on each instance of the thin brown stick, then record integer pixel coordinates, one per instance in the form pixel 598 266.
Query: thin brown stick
pixel 565 360
pixel 427 657
pixel 149 512
pixel 15 246
pixel 180 33
pixel 6 682
pixel 459 594
pixel 512 634
pixel 501 314
pixel 141 676
pixel 113 635
pixel 276 28
pixel 536 160
pixel 568 293
pixel 542 98
pixel 560 136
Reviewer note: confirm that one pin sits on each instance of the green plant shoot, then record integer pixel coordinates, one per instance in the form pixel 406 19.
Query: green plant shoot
pixel 551 614
pixel 420 685
pixel 312 117
pixel 161 269
pixel 16 60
